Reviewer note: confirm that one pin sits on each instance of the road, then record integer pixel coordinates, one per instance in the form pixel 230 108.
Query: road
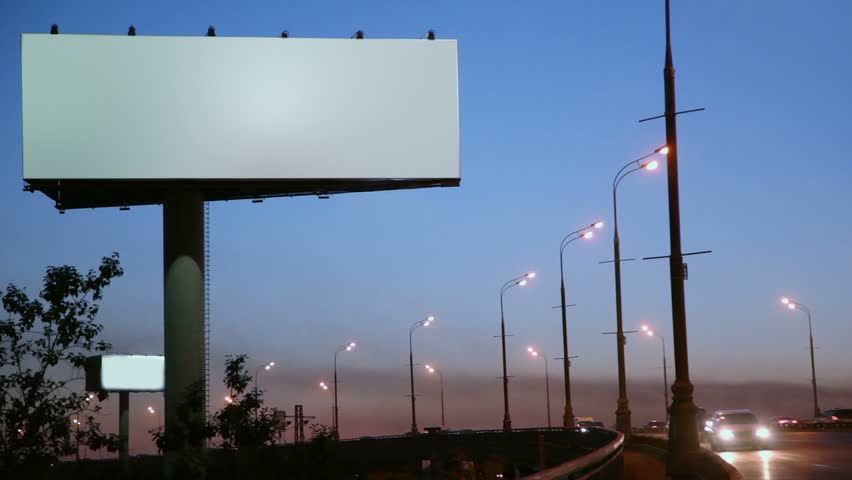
pixel 799 456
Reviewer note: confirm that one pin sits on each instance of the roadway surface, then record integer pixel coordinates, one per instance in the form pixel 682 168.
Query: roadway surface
pixel 797 456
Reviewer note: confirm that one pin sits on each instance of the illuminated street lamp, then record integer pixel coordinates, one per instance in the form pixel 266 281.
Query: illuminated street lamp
pixel 152 411
pixel 792 305
pixel 343 348
pixel 420 323
pixel 622 413
pixel 267 367
pixel 651 333
pixel 431 369
pixel 535 354
pixel 229 400
pixel 522 281
pixel 587 233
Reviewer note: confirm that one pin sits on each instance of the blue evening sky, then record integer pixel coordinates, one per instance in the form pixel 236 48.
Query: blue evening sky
pixel 550 96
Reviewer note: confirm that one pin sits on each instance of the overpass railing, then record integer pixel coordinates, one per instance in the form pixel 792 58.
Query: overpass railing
pixel 605 462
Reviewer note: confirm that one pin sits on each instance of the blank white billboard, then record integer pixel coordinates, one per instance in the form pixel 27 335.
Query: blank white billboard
pixel 133 373
pixel 100 107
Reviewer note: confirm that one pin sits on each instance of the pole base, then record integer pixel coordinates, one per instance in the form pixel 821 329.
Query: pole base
pixel 568 418
pixel 622 418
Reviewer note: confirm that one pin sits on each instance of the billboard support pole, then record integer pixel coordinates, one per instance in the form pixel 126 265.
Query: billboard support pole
pixel 183 332
pixel 123 427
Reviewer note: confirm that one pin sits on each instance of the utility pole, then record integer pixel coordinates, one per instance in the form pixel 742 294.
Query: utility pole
pixel 683 431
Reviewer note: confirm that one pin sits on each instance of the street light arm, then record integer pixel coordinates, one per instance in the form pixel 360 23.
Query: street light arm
pixel 632 162
pixel 568 239
pixel 511 283
pixel 801 306
pixel 417 325
pixel 618 180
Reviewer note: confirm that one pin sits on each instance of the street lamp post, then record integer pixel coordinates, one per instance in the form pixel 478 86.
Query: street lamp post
pixel 431 369
pixel 324 387
pixel 622 413
pixel 793 306
pixel 534 353
pixel 266 367
pixel 652 333
pixel 587 233
pixel 522 280
pixel 420 323
pixel 76 422
pixel 336 421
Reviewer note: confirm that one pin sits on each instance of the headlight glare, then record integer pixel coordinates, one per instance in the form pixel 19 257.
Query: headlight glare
pixel 726 434
pixel 762 432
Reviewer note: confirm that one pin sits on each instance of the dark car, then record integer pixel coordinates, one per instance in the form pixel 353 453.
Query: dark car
pixel 590 423
pixel 783 422
pixel 837 416
pixel 656 426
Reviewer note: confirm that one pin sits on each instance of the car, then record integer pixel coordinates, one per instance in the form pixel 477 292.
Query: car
pixel 837 416
pixel 736 428
pixel 655 426
pixel 784 422
pixel 590 423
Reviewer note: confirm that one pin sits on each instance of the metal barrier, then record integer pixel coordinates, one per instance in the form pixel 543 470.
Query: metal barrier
pixel 589 466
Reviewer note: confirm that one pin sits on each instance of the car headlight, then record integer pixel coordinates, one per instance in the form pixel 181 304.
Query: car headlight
pixel 762 432
pixel 726 434
pixel 584 430
pixel 708 423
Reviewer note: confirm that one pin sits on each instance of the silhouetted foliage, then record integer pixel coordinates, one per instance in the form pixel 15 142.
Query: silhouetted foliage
pixel 244 422
pixel 185 435
pixel 44 343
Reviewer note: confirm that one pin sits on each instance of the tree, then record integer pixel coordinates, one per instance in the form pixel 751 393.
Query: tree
pixel 44 343
pixel 244 423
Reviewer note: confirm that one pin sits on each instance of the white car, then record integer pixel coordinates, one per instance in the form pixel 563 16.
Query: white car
pixel 736 428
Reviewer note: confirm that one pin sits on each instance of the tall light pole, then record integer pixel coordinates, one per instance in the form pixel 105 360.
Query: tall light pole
pixel 522 281
pixel 420 323
pixel 431 369
pixel 622 413
pixel 76 422
pixel 267 367
pixel 651 333
pixel 587 233
pixel 535 354
pixel 324 387
pixel 336 420
pixel 793 306
pixel 683 429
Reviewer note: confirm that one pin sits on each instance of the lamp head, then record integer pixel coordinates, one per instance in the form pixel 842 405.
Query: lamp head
pixel 599 225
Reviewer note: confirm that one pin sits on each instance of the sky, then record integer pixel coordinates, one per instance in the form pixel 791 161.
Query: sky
pixel 550 95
